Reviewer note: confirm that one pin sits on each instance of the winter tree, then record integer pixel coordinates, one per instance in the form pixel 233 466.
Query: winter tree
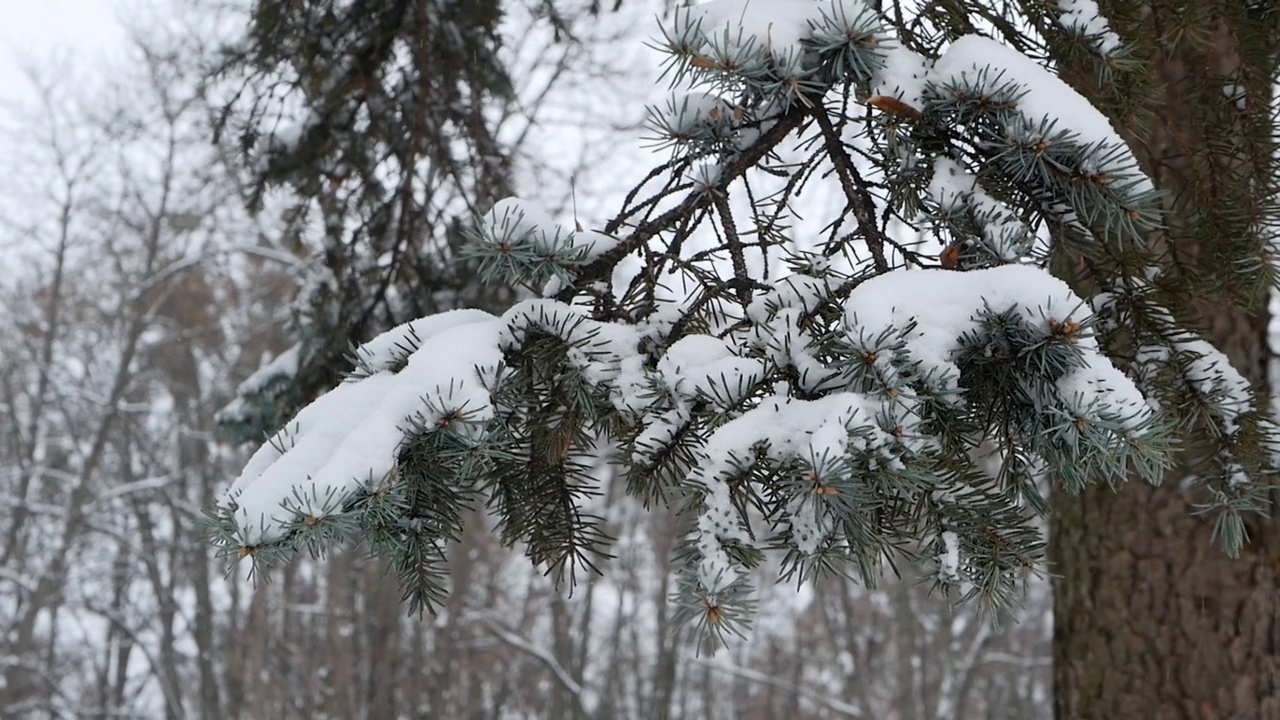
pixel 378 118
pixel 125 304
pixel 1050 233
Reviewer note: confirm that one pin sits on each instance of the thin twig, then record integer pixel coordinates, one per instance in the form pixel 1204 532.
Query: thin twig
pixel 601 267
pixel 854 189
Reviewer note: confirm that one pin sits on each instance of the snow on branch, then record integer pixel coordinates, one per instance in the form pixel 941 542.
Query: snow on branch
pixel 1051 135
pixel 788 48
pixel 842 412
pixel 350 435
pixel 917 344
pixel 980 224
pixel 517 240
pixel 984 68
pixel 437 372
pixel 1083 18
pixel 941 307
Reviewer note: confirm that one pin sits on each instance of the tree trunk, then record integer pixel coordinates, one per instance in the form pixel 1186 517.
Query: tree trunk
pixel 1152 619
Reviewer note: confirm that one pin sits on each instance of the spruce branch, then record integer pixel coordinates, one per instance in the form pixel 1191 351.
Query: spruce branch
pixel 598 269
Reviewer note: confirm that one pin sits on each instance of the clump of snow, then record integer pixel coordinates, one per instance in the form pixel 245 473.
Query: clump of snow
pixel 515 221
pixel 774 26
pixel 951 188
pixel 949 561
pixel 707 366
pixel 1210 372
pixel 987 66
pixel 776 317
pixel 902 77
pixel 950 184
pixel 1085 19
pixel 282 367
pixel 606 342
pixel 698 114
pixel 783 428
pixel 1099 385
pixel 787 343
pixel 520 224
pixel 810 526
pixel 660 432
pixel 778 29
pixel 792 291
pixel 1214 376
pixel 350 435
pixel 705 175
pixel 390 349
pixel 624 272
pixel 945 305
pixel 415 375
pixel 592 244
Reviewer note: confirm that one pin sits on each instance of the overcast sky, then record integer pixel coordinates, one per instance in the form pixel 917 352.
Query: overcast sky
pixel 43 30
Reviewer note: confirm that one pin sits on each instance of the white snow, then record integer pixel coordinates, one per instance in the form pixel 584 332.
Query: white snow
pixel 282 367
pixel 350 435
pixel 1213 374
pixel 775 27
pixel 950 184
pixel 902 77
pixel 705 175
pixel 783 428
pixel 389 349
pixel 1099 386
pixel 609 343
pixel 520 224
pixel 792 291
pixel 777 331
pixel 285 365
pixel 695 114
pixel 707 366
pixel 1046 97
pixel 951 188
pixel 516 221
pixel 949 561
pixel 624 272
pixel 661 432
pixel 1084 18
pixel 787 342
pixel 1209 371
pixel 592 244
pixel 945 304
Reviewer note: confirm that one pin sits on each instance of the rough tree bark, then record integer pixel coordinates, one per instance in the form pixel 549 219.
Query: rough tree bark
pixel 1152 619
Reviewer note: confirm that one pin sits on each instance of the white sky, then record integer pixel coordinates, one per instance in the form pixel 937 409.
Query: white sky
pixel 42 31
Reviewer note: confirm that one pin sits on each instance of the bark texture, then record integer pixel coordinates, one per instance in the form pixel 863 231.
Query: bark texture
pixel 1152 621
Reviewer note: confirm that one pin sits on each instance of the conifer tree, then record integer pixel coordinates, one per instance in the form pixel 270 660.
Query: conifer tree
pixel 1150 620
pixel 1013 297
pixel 373 115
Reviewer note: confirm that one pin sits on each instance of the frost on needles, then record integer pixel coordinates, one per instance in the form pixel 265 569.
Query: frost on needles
pixel 831 401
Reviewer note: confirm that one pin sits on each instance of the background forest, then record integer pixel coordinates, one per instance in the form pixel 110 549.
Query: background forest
pixel 138 292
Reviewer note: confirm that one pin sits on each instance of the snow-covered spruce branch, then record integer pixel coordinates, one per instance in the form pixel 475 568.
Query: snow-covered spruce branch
pixel 453 405
pixel 853 409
